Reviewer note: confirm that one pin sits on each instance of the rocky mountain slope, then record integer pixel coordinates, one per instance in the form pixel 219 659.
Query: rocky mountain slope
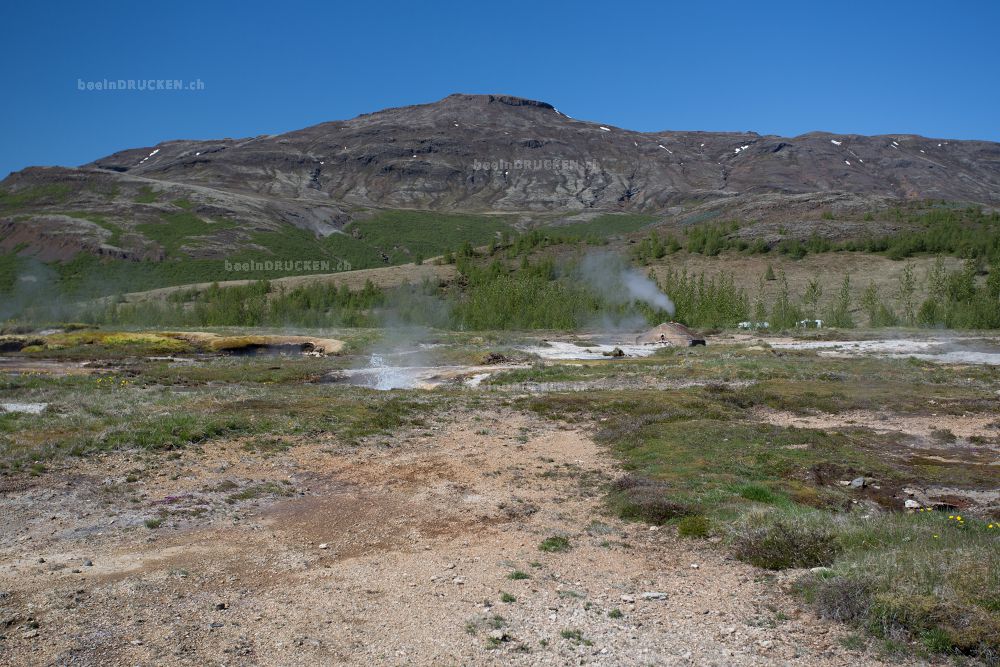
pixel 465 153
pixel 448 155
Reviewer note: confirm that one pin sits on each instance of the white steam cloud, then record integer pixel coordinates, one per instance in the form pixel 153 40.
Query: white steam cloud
pixel 618 282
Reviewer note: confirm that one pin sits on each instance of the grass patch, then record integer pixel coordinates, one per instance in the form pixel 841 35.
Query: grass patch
pixel 554 544
pixel 760 494
pixel 919 577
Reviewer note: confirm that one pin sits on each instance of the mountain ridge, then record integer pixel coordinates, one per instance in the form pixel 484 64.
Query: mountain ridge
pixel 466 153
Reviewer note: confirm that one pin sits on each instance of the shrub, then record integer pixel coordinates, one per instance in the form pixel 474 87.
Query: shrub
pixel 785 542
pixel 639 498
pixel 839 598
pixel 694 526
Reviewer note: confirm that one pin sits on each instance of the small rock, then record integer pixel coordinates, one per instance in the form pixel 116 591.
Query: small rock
pixel 88 563
pixel 324 546
pixel 726 630
pixel 30 634
pixel 820 570
pixel 449 566
pixel 765 643
pixel 221 606
pixel 628 598
pixel 76 570
pixel 911 504
pixel 458 581
pixel 654 595
pixel 695 566
pixel 41 560
pixel 858 483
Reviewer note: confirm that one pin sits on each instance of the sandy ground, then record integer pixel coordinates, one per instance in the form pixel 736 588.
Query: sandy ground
pixel 394 552
pixel 962 426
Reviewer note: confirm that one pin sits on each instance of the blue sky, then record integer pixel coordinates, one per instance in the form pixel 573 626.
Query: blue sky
pixel 871 67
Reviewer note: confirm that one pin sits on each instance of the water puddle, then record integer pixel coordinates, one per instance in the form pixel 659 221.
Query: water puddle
pixel 566 351
pixel 952 350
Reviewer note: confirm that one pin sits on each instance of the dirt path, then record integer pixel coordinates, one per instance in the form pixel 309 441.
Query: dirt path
pixel 400 551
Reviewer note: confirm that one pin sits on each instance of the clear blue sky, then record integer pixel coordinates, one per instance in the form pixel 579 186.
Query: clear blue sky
pixel 926 67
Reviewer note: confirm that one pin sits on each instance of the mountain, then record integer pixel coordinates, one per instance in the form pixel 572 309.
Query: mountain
pixel 469 154
pixel 426 157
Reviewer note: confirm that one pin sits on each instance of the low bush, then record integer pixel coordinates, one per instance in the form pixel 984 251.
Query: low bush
pixel 694 526
pixel 778 542
pixel 639 498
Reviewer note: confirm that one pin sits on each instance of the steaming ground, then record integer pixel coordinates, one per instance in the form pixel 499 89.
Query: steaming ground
pixel 349 526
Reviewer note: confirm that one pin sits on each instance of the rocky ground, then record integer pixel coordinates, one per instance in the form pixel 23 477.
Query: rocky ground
pixel 418 549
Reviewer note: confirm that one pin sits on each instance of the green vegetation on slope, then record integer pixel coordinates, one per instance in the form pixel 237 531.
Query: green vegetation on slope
pixel 53 193
pixel 179 228
pixel 116 231
pixel 930 228
pixel 407 236
pixel 601 227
